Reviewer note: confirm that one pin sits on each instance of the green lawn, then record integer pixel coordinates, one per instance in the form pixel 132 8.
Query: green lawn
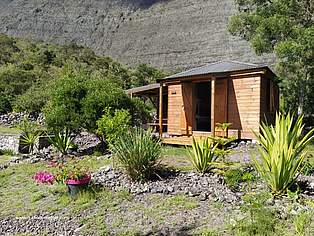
pixel 4 159
pixel 6 130
pixel 20 196
pixel 102 212
pixel 176 157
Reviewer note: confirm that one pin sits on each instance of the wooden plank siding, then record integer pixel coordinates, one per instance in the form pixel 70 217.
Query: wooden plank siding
pixel 242 100
pixel 244 105
pixel 221 100
pixel 175 103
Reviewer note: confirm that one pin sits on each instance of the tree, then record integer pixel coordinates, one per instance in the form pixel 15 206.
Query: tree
pixel 286 28
pixel 144 75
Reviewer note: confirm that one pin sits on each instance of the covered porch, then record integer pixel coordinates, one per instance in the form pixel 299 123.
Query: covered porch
pixel 186 109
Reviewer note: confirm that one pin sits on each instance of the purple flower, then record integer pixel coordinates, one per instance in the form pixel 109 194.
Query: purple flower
pixel 44 177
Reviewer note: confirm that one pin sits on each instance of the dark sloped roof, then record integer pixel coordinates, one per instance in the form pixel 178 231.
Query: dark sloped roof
pixel 217 68
pixel 143 88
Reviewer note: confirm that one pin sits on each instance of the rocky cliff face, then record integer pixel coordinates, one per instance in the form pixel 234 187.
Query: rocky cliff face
pixel 173 34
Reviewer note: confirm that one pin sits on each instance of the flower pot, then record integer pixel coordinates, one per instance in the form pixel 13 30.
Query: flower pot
pixel 76 186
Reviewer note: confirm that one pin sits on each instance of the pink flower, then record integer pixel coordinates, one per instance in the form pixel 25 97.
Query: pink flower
pixel 44 177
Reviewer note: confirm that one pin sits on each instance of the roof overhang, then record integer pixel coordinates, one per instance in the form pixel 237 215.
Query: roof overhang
pixel 150 89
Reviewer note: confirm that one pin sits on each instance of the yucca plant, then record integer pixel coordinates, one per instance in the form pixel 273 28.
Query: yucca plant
pixel 203 155
pixel 138 153
pixel 30 134
pixel 29 140
pixel 62 141
pixel 283 149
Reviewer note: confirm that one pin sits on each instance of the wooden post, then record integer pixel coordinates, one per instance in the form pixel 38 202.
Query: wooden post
pixel 213 83
pixel 160 109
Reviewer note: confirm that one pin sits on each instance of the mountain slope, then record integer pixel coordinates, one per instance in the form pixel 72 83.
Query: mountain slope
pixel 173 34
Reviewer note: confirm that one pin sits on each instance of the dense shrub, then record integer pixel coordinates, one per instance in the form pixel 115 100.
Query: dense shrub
pixel 138 153
pixel 79 100
pixel 28 68
pixel 64 110
pixel 34 99
pixel 101 93
pixel 202 155
pixel 112 126
pixel 282 149
pixel 5 105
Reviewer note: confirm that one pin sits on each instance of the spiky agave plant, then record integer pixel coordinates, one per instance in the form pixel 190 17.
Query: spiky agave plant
pixel 62 141
pixel 30 134
pixel 203 155
pixel 283 149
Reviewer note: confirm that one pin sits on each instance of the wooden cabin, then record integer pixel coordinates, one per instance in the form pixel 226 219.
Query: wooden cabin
pixel 192 102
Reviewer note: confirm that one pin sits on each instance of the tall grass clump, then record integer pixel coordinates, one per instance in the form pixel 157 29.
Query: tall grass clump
pixel 203 155
pixel 282 148
pixel 138 153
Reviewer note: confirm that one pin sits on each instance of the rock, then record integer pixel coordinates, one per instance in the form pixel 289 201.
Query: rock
pixel 170 189
pixel 86 143
pixel 204 187
pixel 111 28
pixel 106 168
pixel 203 197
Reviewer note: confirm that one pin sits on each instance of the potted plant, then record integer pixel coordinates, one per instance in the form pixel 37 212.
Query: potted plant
pixel 74 175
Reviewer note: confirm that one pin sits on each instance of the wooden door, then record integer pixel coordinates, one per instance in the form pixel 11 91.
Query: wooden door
pixel 187 108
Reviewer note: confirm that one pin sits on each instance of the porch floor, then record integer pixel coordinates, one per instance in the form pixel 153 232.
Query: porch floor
pixel 179 140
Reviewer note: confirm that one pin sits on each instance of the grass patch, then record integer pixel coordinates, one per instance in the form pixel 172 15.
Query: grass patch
pixel 21 196
pixel 176 158
pixel 7 130
pixel 5 159
pixel 174 151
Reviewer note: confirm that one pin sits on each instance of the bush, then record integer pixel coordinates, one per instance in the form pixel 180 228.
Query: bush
pixel 64 109
pixel 78 101
pixel 202 155
pixel 222 142
pixel 138 153
pixel 282 149
pixel 111 127
pixel 5 105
